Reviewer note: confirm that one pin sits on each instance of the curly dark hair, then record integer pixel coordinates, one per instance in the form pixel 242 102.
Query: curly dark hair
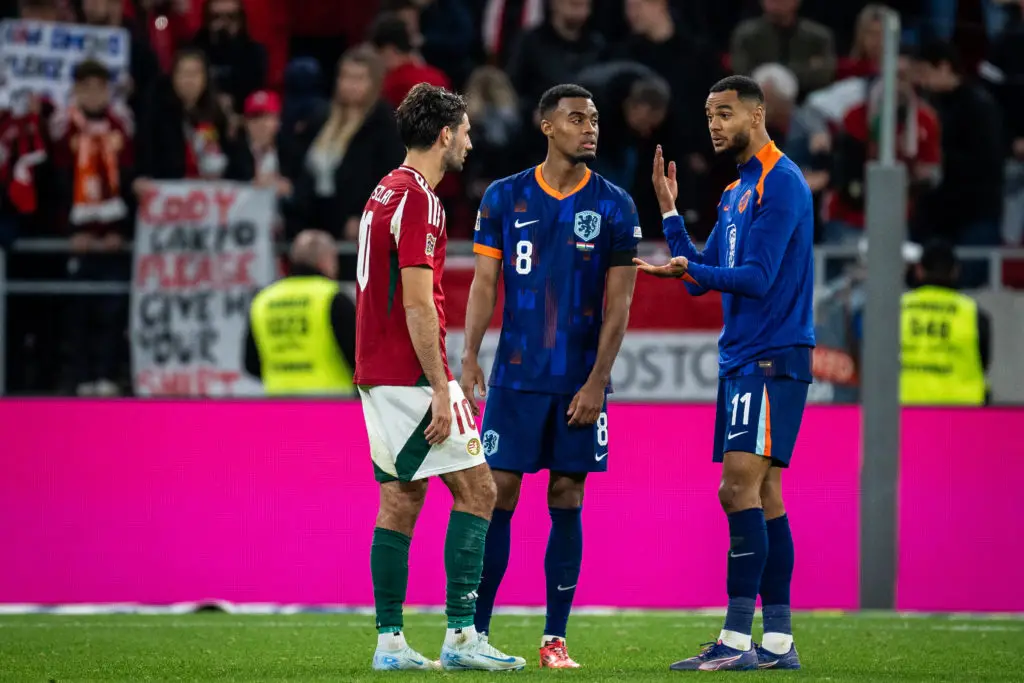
pixel 425 112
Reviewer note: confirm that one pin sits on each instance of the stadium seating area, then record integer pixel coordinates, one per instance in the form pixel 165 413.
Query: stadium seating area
pixel 297 96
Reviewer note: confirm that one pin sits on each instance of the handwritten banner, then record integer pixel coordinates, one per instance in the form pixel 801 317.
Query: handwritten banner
pixel 202 251
pixel 39 58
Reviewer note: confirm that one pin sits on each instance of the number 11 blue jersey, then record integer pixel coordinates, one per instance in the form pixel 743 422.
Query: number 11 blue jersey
pixel 556 250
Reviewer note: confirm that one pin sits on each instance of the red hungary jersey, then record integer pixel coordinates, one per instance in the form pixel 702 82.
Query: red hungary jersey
pixel 403 225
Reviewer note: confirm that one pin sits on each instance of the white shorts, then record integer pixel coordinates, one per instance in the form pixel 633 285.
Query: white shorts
pixel 396 418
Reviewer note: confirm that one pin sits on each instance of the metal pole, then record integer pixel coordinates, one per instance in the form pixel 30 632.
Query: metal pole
pixel 890 59
pixel 880 404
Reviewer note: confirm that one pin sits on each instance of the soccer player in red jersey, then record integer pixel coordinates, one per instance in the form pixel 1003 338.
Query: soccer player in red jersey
pixel 410 400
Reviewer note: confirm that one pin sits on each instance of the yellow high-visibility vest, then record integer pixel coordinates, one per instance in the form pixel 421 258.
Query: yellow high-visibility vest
pixel 299 355
pixel 940 357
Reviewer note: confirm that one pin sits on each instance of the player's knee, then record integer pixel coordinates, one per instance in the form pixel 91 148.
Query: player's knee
pixel 400 506
pixel 736 495
pixel 507 485
pixel 565 492
pixel 771 500
pixel 488 495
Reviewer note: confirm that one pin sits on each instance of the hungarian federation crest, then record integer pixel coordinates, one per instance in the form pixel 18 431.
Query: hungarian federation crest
pixel 588 225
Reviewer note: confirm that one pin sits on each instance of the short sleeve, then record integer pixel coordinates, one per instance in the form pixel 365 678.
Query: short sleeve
pixel 416 225
pixel 626 232
pixel 487 234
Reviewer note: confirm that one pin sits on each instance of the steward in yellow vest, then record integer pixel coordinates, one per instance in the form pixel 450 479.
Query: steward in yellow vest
pixel 945 338
pixel 301 339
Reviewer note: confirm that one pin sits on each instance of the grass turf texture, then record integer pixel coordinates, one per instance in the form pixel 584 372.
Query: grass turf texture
pixel 632 646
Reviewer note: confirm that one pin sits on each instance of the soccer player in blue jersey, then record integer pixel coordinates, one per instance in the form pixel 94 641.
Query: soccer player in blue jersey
pixel 563 239
pixel 760 256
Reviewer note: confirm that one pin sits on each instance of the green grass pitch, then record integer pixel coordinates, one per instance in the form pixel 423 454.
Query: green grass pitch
pixel 630 647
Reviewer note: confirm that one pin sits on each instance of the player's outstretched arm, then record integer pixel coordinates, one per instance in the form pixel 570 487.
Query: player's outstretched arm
pixel 424 331
pixel 586 405
pixel 666 187
pixel 483 295
pixel 767 240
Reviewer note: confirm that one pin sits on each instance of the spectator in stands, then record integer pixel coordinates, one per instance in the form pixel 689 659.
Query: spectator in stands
pixel 689 66
pixel 144 68
pixel 404 68
pixel 303 110
pixel 554 52
pixel 238 64
pixel 802 133
pixel 503 22
pixel 355 147
pixel 942 18
pixel 1004 71
pixel 186 133
pixel 865 57
pixel 780 35
pixel 450 36
pixel 165 25
pixel 93 156
pixel 918 135
pixel 634 102
pixel 493 111
pixel 259 159
pixel 966 208
pixel 40 10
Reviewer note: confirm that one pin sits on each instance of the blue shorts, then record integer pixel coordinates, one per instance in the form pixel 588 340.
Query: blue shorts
pixel 759 415
pixel 526 431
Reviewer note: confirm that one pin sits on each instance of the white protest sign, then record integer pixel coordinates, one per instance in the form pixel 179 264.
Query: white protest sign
pixel 202 251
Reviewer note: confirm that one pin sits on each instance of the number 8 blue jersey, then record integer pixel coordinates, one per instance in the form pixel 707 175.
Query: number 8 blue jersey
pixel 556 250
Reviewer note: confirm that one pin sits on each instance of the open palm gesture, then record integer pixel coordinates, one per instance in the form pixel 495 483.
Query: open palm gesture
pixel 665 186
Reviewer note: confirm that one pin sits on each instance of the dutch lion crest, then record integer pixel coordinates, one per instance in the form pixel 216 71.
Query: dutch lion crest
pixel 588 225
pixel 490 442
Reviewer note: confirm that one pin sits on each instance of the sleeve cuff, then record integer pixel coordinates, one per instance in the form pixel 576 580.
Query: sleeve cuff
pixel 669 214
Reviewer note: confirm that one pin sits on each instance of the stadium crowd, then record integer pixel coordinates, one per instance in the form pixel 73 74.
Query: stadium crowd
pixel 299 97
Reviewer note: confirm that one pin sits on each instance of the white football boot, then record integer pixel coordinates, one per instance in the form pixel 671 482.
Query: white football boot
pixel 465 649
pixel 394 654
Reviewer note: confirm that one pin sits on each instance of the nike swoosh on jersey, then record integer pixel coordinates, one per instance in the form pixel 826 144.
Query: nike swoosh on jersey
pixel 524 224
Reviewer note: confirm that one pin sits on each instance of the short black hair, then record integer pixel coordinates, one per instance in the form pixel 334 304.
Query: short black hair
pixel 938 259
pixel 653 91
pixel 425 112
pixel 746 88
pixel 90 68
pixel 388 30
pixel 555 94
pixel 936 52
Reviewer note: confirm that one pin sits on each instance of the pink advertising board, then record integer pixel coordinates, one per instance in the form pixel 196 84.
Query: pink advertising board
pixel 161 502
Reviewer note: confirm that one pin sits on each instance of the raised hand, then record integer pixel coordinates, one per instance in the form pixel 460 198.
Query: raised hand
pixel 665 186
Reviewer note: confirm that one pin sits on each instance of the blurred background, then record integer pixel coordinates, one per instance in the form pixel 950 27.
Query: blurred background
pixel 118 99
pixel 157 158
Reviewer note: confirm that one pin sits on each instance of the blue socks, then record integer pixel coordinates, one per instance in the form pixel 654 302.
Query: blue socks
pixel 496 551
pixel 562 567
pixel 778 574
pixel 747 554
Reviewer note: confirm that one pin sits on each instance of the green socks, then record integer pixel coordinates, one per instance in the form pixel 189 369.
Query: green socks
pixel 463 562
pixel 389 565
